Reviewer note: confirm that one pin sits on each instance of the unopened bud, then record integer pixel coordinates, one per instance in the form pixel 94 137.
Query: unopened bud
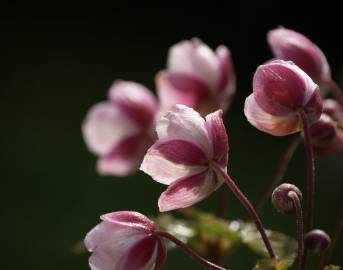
pixel 317 241
pixel 281 199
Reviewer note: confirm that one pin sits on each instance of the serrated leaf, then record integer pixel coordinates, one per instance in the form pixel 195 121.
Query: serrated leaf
pixel 272 264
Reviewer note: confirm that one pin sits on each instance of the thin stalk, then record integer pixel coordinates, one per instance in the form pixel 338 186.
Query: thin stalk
pixel 300 228
pixel 248 206
pixel 279 172
pixel 189 251
pixel 326 256
pixel 310 171
pixel 335 90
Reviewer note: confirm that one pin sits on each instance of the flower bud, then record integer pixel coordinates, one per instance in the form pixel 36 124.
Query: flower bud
pixel 281 199
pixel 280 90
pixel 289 45
pixel 317 241
pixel 125 240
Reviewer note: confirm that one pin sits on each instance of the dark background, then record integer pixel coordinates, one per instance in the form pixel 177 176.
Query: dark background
pixel 56 63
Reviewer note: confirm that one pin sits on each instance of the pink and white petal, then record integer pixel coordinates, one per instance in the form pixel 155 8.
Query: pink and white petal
pixel 105 126
pixel 197 59
pixel 279 88
pixel 187 124
pixel 180 152
pixel 126 157
pixel 165 171
pixel 109 243
pixel 142 256
pixel 275 125
pixel 218 136
pixel 135 100
pixel 180 88
pixel 130 220
pixel 161 255
pixel 187 191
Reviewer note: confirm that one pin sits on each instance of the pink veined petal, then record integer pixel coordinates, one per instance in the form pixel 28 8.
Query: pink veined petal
pixel 287 44
pixel 279 87
pixel 180 152
pixel 135 100
pixel 161 255
pixel 105 126
pixel 142 256
pixel 187 191
pixel 218 136
pixel 184 123
pixel 109 243
pixel 180 88
pixel 130 219
pixel 197 59
pixel 165 171
pixel 275 125
pixel 126 157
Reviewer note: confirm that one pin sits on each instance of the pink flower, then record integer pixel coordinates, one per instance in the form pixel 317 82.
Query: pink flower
pixel 125 240
pixel 280 90
pixel 187 145
pixel 287 44
pixel 120 130
pixel 198 77
pixel 327 132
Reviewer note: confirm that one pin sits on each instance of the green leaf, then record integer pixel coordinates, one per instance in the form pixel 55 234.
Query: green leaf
pixel 272 264
pixel 212 236
pixel 332 267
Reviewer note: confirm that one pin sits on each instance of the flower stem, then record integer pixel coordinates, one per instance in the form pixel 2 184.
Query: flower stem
pixel 335 90
pixel 310 171
pixel 300 229
pixel 325 257
pixel 279 172
pixel 189 251
pixel 249 207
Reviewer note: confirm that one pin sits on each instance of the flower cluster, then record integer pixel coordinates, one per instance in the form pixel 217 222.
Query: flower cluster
pixel 180 140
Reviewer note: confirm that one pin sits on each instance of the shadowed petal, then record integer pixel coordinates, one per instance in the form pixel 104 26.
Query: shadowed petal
pixel 287 44
pixel 105 126
pixel 180 88
pixel 184 123
pixel 187 191
pixel 161 255
pixel 218 136
pixel 275 125
pixel 141 256
pixel 126 157
pixel 134 100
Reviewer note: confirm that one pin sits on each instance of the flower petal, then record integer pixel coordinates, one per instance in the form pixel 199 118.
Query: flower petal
pixel 135 100
pixel 180 152
pixel 126 157
pixel 142 256
pixel 275 125
pixel 164 171
pixel 105 126
pixel 184 123
pixel 218 137
pixel 161 255
pixel 109 244
pixel 130 219
pixel 180 88
pixel 187 191
pixel 287 44
pixel 197 59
